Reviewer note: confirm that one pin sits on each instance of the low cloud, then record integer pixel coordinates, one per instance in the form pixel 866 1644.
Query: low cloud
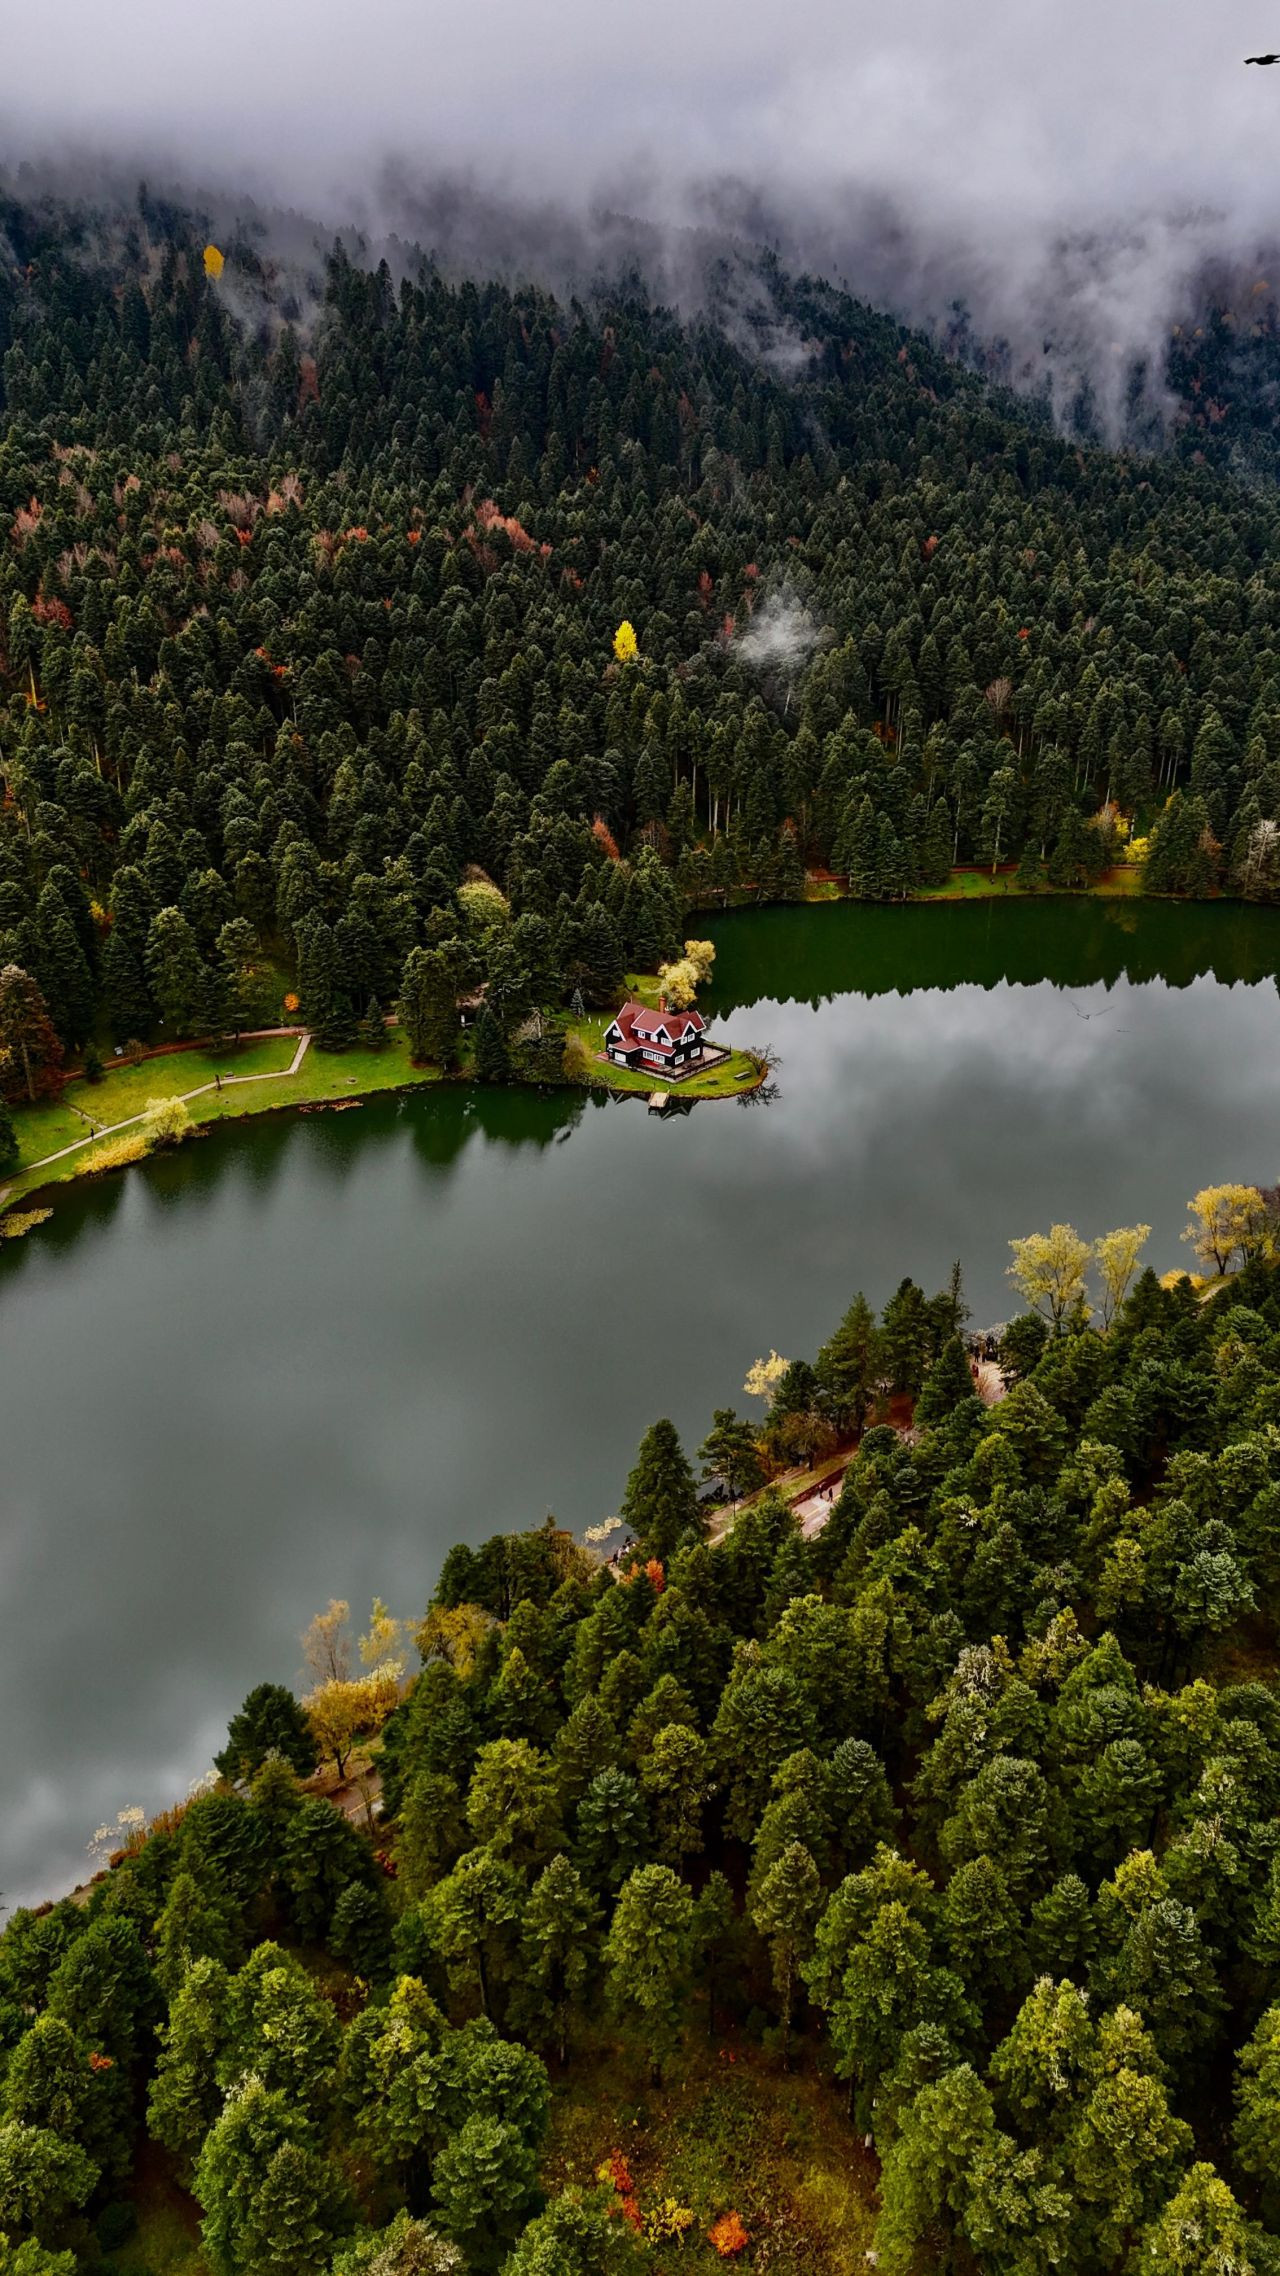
pixel 1071 177
pixel 781 636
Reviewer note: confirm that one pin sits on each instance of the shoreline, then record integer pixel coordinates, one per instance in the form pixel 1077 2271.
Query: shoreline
pixel 328 1087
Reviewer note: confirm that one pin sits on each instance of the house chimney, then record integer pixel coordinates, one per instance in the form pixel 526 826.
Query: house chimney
pixel 662 1003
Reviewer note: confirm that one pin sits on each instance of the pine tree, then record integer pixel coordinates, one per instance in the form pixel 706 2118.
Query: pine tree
pixel 176 972
pixel 428 1007
pixel 373 1027
pixel 947 1385
pixel 492 1060
pixel 661 1502
pixel 785 1908
pixel 129 1005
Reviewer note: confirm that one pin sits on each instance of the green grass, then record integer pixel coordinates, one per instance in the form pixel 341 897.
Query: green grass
pixel 980 885
pixel 727 2132
pixel 972 885
pixel 125 1091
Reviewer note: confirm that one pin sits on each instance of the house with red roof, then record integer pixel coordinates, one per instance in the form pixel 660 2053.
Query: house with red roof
pixel 662 1042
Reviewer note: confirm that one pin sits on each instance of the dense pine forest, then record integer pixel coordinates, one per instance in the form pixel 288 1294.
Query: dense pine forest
pixel 937 1848
pixel 899 1891
pixel 310 616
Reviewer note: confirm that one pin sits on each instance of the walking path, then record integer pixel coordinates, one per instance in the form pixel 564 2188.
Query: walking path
pixel 219 1083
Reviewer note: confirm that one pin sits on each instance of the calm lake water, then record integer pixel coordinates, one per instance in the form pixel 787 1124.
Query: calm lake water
pixel 299 1359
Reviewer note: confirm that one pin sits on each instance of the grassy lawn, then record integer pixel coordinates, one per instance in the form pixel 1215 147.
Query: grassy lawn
pixel 323 1075
pixel 125 1091
pixel 729 2132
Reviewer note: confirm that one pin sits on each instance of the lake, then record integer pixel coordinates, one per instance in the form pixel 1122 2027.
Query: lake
pixel 301 1357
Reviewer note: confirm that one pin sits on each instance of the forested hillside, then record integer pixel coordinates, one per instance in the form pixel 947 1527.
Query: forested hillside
pixel 953 1826
pixel 302 624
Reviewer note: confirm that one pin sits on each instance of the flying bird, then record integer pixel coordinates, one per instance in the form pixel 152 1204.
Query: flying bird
pixel 1262 59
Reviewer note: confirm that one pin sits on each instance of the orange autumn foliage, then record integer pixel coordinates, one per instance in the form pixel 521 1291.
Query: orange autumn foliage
pixel 490 516
pixel 605 838
pixel 617 2173
pixel 728 2236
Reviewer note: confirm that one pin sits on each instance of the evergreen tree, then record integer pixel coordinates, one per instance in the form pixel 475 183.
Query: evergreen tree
pixel 492 1060
pixel 428 1007
pixel 648 1954
pixel 176 972
pixel 269 1722
pixel 661 1503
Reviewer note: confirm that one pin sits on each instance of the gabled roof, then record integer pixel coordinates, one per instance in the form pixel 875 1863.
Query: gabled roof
pixel 637 1024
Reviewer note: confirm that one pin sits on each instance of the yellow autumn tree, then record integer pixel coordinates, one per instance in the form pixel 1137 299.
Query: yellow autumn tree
pixel 453 1632
pixel 681 981
pixel 1227 1221
pixel 380 1645
pixel 625 645
pixel 214 262
pixel 1048 1271
pixel 764 1377
pixel 341 1711
pixel 1116 1257
pixel 678 983
pixel 166 1122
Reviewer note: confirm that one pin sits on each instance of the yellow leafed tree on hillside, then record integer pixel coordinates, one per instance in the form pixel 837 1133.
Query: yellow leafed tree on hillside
pixel 214 262
pixel 765 1375
pixel 625 645
pixel 1228 1221
pixel 1048 1269
pixel 1116 1257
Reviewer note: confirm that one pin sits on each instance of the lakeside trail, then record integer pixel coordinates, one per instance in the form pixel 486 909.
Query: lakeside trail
pixel 219 1083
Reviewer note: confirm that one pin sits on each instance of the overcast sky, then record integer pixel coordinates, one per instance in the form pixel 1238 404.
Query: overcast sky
pixel 992 126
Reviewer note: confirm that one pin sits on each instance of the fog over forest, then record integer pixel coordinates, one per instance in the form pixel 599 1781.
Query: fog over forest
pixel 1073 177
